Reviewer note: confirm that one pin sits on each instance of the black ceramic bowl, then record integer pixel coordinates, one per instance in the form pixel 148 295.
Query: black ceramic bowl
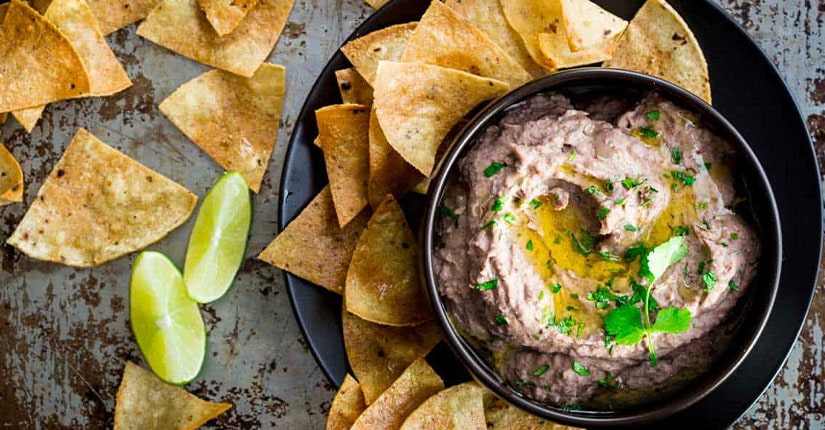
pixel 751 313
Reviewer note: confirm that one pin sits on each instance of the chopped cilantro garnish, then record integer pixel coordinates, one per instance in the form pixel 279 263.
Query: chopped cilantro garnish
pixel 631 227
pixel 681 230
pixel 723 244
pixel 701 268
pixel 541 370
pixel 591 190
pixel 733 285
pixel 529 245
pixel 603 213
pixel 580 369
pixel 605 382
pixel 607 256
pixel 491 223
pixel 449 212
pixel 653 115
pixel 634 252
pixel 683 177
pixel 708 166
pixel 493 169
pixel 572 156
pixel 557 240
pixel 489 285
pixel 583 245
pixel 619 202
pixel 535 204
pixel 524 384
pixel 630 183
pixel 709 279
pixel 647 203
pixel 677 156
pixel 702 205
pixel 649 132
pixel 501 319
pixel 608 186
pixel 564 326
pixel 497 205
pixel 517 201
pixel 734 236
pixel 541 295
pixel 509 218
pixel 571 308
pixel 556 288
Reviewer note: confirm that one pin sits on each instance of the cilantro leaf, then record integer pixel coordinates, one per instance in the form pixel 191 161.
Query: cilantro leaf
pixel 709 279
pixel 493 169
pixel 649 132
pixel 655 262
pixel 541 370
pixel 485 286
pixel 672 320
pixel 654 115
pixel 580 369
pixel 624 325
pixel 497 205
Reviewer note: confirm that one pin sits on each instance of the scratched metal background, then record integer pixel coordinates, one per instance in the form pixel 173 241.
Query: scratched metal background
pixel 64 333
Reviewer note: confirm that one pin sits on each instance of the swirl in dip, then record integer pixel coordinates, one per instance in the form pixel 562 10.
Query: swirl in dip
pixel 550 226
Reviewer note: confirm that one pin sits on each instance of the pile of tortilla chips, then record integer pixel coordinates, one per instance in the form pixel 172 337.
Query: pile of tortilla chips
pixel 55 56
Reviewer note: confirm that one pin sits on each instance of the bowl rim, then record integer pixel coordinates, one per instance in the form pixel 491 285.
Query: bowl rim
pixel 465 353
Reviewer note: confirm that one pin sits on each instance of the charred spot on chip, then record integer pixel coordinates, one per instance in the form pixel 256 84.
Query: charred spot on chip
pixel 60 173
pixel 149 178
pixel 346 86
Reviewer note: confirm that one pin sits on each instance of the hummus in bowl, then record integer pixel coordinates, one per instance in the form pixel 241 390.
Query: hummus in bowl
pixel 596 250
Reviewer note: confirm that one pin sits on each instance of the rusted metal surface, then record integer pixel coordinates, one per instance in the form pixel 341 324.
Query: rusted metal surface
pixel 64 333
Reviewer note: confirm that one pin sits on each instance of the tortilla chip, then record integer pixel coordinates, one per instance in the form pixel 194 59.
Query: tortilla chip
pixel 232 118
pixel 389 173
pixel 589 26
pixel 180 26
pixel 106 76
pixel 528 18
pixel 418 104
pixel 457 408
pixel 383 285
pixel 377 3
pixel 3 117
pixel 97 205
pixel 3 9
pixel 383 45
pixel 112 15
pixel 413 387
pixel 658 42
pixel 378 354
pixel 314 247
pixel 29 117
pixel 501 415
pixel 488 17
pixel 354 89
pixel 226 15
pixel 346 406
pixel 144 402
pixel 443 39
pixel 39 63
pixel 11 178
pixel 343 131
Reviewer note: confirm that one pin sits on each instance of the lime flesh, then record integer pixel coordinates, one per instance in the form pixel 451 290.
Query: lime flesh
pixel 218 242
pixel 166 322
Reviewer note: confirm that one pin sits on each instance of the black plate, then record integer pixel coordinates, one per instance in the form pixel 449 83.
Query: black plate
pixel 747 90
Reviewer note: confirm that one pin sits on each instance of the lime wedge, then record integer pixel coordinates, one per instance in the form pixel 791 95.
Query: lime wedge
pixel 218 242
pixel 166 322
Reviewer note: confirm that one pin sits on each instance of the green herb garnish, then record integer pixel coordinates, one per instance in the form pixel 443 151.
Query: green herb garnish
pixel 677 156
pixel 709 279
pixel 572 156
pixel 733 285
pixel 509 218
pixel 491 223
pixel 683 177
pixel 501 320
pixel 556 288
pixel 535 204
pixel 734 236
pixel 485 286
pixel 493 169
pixel 591 190
pixel 649 132
pixel 541 370
pixel 631 227
pixel 583 245
pixel 630 183
pixel 603 213
pixel 580 369
pixel 653 115
pixel 681 230
pixel 529 245
pixel 619 202
pixel 497 205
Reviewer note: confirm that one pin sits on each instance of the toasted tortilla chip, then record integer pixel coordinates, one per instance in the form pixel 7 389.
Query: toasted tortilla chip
pixel 11 178
pixel 418 104
pixel 457 408
pixel 383 285
pixel 377 3
pixel 314 247
pixel 589 26
pixel 144 402
pixel 389 173
pixel 180 26
pixel 39 64
pixel 232 118
pixel 413 387
pixel 39 5
pixel 383 45
pixel 347 405
pixel 3 9
pixel 501 415
pixel 658 42
pixel 226 15
pixel 443 39
pixel 528 18
pixel 3 117
pixel 343 131
pixel 488 17
pixel 106 76
pixel 113 15
pixel 97 205
pixel 378 354
pixel 353 87
pixel 29 117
